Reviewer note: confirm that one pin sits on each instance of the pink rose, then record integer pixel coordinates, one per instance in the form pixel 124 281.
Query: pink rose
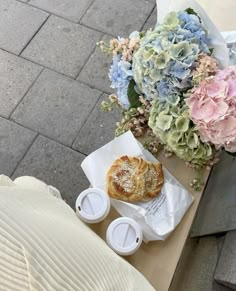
pixel 212 107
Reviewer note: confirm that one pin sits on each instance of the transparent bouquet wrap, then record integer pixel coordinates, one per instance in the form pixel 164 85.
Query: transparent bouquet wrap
pixel 217 42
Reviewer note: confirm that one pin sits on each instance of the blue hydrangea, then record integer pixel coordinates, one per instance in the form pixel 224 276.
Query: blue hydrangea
pixel 178 70
pixel 120 75
pixel 162 66
pixel 167 91
pixel 192 30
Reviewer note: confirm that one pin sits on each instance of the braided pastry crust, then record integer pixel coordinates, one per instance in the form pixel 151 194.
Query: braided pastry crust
pixel 134 179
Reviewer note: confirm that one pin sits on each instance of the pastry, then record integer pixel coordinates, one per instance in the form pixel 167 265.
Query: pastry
pixel 134 179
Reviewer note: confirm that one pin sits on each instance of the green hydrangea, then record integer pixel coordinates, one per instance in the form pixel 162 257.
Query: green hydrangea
pixel 171 124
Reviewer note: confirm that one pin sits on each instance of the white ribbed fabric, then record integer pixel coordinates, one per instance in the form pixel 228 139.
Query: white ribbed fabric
pixel 44 247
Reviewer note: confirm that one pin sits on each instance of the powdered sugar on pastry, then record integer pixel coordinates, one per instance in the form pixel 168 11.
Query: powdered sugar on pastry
pixel 134 179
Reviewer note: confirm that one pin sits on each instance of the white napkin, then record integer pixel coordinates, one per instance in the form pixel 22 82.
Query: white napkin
pixel 158 217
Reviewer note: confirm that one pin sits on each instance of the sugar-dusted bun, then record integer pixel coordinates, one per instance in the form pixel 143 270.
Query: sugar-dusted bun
pixel 134 179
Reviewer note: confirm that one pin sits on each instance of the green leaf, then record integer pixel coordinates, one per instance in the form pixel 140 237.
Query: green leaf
pixel 211 50
pixel 191 11
pixel 142 34
pixel 133 96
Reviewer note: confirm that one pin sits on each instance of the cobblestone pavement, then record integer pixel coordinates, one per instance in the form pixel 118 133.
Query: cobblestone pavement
pixel 52 80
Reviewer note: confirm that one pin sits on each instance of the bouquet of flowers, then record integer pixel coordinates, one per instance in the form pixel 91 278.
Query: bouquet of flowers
pixel 169 86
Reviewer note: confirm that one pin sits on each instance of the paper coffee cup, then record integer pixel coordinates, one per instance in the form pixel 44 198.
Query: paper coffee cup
pixel 92 205
pixel 124 236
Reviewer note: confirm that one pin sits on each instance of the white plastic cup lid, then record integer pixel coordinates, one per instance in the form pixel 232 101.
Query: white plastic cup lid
pixel 124 236
pixel 92 205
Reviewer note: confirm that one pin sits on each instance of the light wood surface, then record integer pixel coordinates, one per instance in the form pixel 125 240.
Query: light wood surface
pixel 157 260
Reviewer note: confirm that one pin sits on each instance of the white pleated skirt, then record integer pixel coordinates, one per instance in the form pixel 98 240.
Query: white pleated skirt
pixel 44 246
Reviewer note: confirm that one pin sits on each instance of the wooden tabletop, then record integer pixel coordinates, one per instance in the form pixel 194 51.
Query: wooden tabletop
pixel 157 260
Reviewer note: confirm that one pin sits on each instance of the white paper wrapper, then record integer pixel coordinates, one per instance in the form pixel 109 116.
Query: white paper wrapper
pixel 158 217
pixel 217 42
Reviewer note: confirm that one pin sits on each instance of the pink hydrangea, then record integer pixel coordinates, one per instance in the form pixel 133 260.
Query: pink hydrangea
pixel 212 107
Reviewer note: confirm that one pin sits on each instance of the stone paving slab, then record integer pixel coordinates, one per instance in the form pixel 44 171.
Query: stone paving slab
pixel 216 211
pixel 196 269
pixel 14 143
pixel 95 72
pixel 97 130
pixel 226 268
pixel 219 287
pixel 118 17
pixel 180 274
pixel 18 22
pixel 16 76
pixel 56 106
pixel 57 165
pixel 152 20
pixel 62 46
pixel 70 9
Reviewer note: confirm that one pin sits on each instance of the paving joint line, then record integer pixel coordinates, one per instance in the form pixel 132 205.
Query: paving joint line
pixel 62 17
pixel 54 14
pixel 79 22
pixel 86 61
pixel 218 258
pixel 104 32
pixel 17 105
pixel 43 135
pixel 35 34
pixel 80 152
pixel 39 133
pixel 23 1
pixel 17 123
pixel 46 67
pixel 60 73
pixel 75 22
pixel 28 149
pixel 148 17
pixel 86 119
pixel 12 53
pixel 4 117
pixel 53 70
pixel 92 87
pixel 103 35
